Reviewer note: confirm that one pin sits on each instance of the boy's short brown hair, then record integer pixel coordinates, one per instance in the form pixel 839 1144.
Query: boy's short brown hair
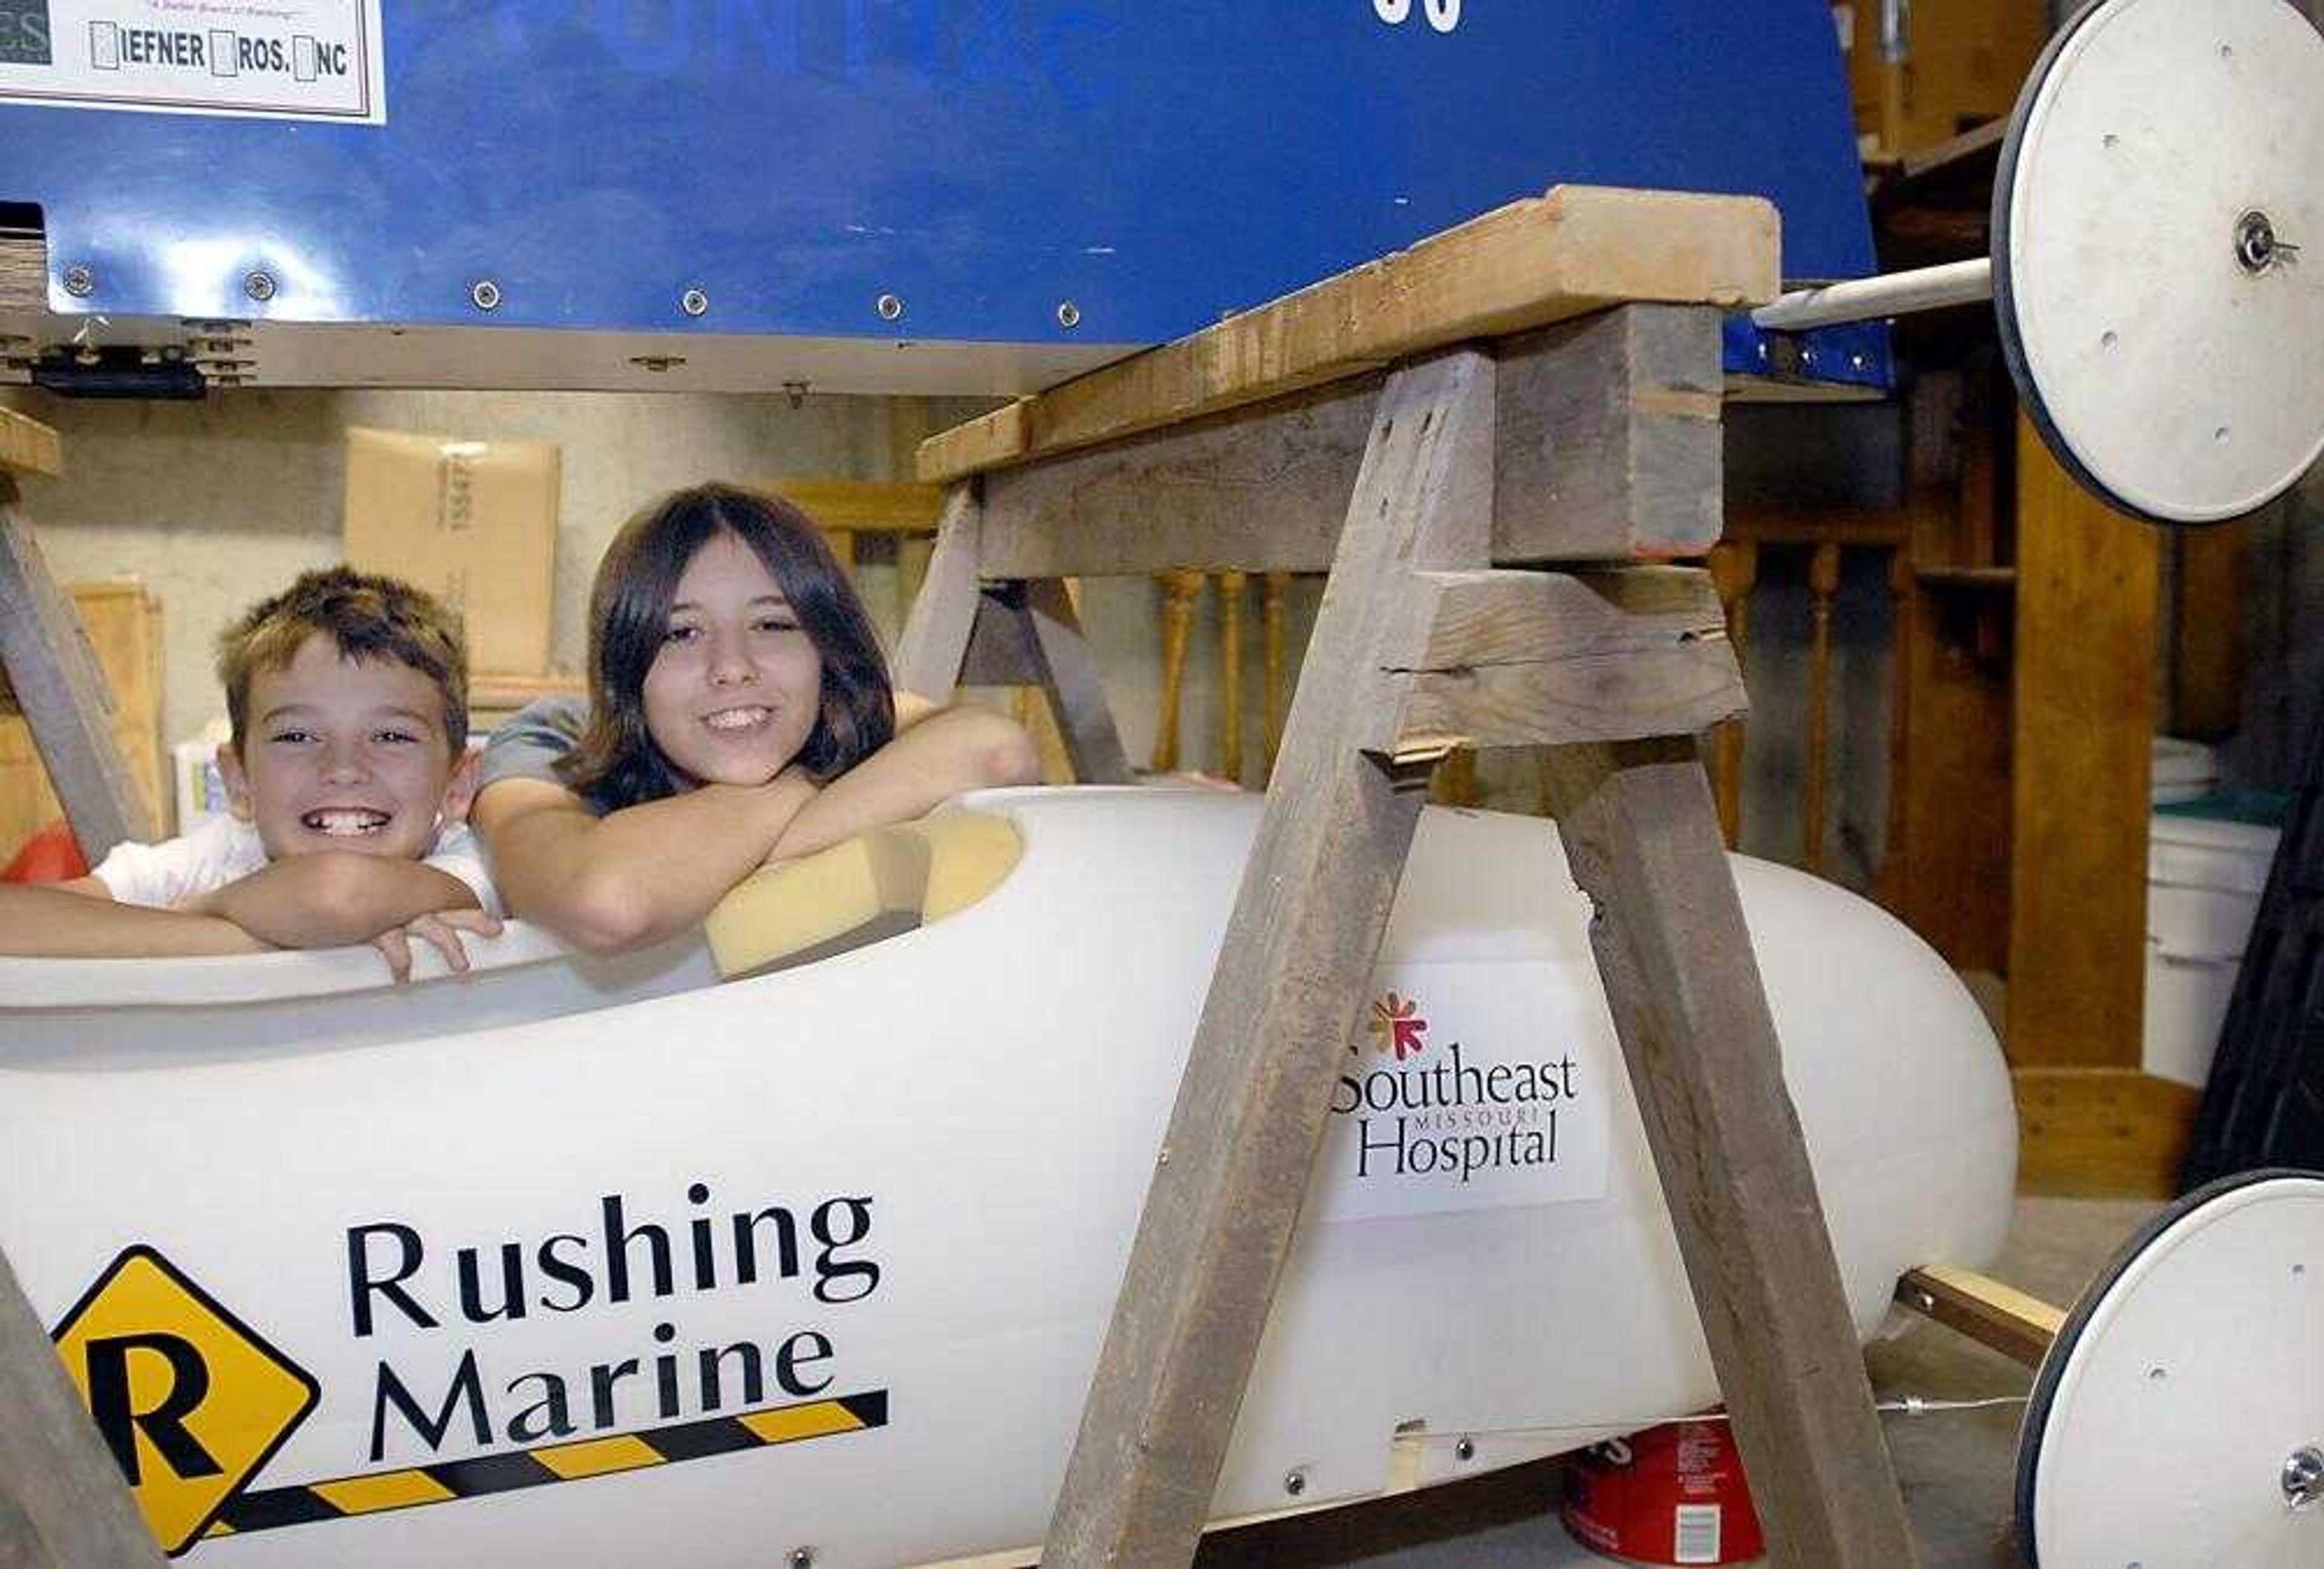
pixel 370 616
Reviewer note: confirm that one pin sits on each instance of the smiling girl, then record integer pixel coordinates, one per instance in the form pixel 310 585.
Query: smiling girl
pixel 739 712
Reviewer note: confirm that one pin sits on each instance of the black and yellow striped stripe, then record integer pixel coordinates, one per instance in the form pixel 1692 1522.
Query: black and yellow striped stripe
pixel 372 1494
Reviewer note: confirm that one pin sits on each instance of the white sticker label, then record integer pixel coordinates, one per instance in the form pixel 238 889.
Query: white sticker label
pixel 281 59
pixel 1476 1087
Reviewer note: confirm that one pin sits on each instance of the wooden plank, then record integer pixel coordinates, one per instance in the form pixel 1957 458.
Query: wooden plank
pixel 63 695
pixel 124 624
pixel 1067 675
pixel 2083 733
pixel 1609 449
pixel 936 634
pixel 1179 592
pixel 1642 837
pixel 1283 1009
pixel 1610 441
pixel 1233 590
pixel 2101 1132
pixel 1253 490
pixel 29 447
pixel 2206 631
pixel 1996 1316
pixel 1537 658
pixel 867 506
pixel 1546 259
pixel 1823 587
pixel 62 1502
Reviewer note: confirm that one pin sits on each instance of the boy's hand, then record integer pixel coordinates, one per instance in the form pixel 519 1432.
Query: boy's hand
pixel 440 929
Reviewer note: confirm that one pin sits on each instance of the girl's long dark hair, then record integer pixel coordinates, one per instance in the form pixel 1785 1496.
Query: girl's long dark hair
pixel 617 762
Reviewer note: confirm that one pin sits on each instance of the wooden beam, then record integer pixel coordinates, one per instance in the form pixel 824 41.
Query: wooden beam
pixel 1642 837
pixel 1994 1315
pixel 63 694
pixel 1611 444
pixel 868 506
pixel 29 447
pixel 62 1501
pixel 936 633
pixel 1546 259
pixel 1066 672
pixel 1535 658
pixel 2101 1132
pixel 1608 448
pixel 2206 631
pixel 2083 731
pixel 1282 1010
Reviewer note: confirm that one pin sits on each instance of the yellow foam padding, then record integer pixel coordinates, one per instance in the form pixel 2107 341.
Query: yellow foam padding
pixel 815 899
pixel 969 852
pixel 876 885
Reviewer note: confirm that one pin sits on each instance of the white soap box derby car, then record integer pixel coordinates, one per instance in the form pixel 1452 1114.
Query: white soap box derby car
pixel 610 1262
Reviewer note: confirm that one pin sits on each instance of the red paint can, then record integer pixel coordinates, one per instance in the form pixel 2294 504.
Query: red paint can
pixel 1669 1495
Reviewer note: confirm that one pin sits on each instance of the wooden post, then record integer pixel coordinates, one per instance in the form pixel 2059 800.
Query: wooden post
pixel 1178 592
pixel 1272 616
pixel 1734 570
pixel 62 1501
pixel 1896 864
pixel 1642 836
pixel 1232 586
pixel 63 693
pixel 1823 584
pixel 1066 674
pixel 936 634
pixel 1252 1109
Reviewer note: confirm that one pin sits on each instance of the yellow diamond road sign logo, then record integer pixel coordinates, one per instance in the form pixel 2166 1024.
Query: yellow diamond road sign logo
pixel 191 1400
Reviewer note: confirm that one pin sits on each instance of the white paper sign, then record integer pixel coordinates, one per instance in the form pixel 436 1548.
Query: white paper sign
pixel 281 59
pixel 1477 1086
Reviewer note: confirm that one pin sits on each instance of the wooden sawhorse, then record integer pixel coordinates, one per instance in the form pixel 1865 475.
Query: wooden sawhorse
pixel 1541 385
pixel 61 1497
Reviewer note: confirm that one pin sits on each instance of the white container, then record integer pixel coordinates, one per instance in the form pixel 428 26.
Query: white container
pixel 2183 770
pixel 2204 879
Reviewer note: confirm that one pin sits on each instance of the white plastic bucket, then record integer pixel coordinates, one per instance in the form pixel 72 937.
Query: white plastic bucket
pixel 2204 879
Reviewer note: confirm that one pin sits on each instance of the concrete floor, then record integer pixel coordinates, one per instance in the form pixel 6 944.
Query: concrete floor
pixel 1957 1469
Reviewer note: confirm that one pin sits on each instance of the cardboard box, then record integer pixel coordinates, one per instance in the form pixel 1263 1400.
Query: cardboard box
pixel 472 522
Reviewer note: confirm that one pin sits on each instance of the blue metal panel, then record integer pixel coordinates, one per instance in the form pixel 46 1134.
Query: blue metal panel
pixel 1855 353
pixel 984 161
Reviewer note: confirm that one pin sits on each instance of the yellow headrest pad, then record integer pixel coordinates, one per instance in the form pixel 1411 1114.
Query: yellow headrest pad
pixel 878 884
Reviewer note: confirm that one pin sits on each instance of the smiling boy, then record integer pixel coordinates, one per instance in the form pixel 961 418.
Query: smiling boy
pixel 348 778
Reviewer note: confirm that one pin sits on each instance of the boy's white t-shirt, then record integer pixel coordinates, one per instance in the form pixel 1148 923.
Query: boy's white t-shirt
pixel 226 849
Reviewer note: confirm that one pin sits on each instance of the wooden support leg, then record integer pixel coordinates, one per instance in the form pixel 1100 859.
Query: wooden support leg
pixel 936 634
pixel 1310 914
pixel 1272 615
pixel 1823 586
pixel 1233 587
pixel 63 694
pixel 1067 673
pixel 1642 835
pixel 1178 591
pixel 1734 570
pixel 63 1503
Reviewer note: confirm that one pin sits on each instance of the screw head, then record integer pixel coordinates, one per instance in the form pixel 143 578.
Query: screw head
pixel 694 302
pixel 259 285
pixel 1069 315
pixel 485 294
pixel 1466 1449
pixel 889 307
pixel 1295 1482
pixel 80 282
pixel 802 1558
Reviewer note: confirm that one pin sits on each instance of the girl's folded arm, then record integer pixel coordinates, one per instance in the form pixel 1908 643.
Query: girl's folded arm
pixel 634 876
pixel 939 757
